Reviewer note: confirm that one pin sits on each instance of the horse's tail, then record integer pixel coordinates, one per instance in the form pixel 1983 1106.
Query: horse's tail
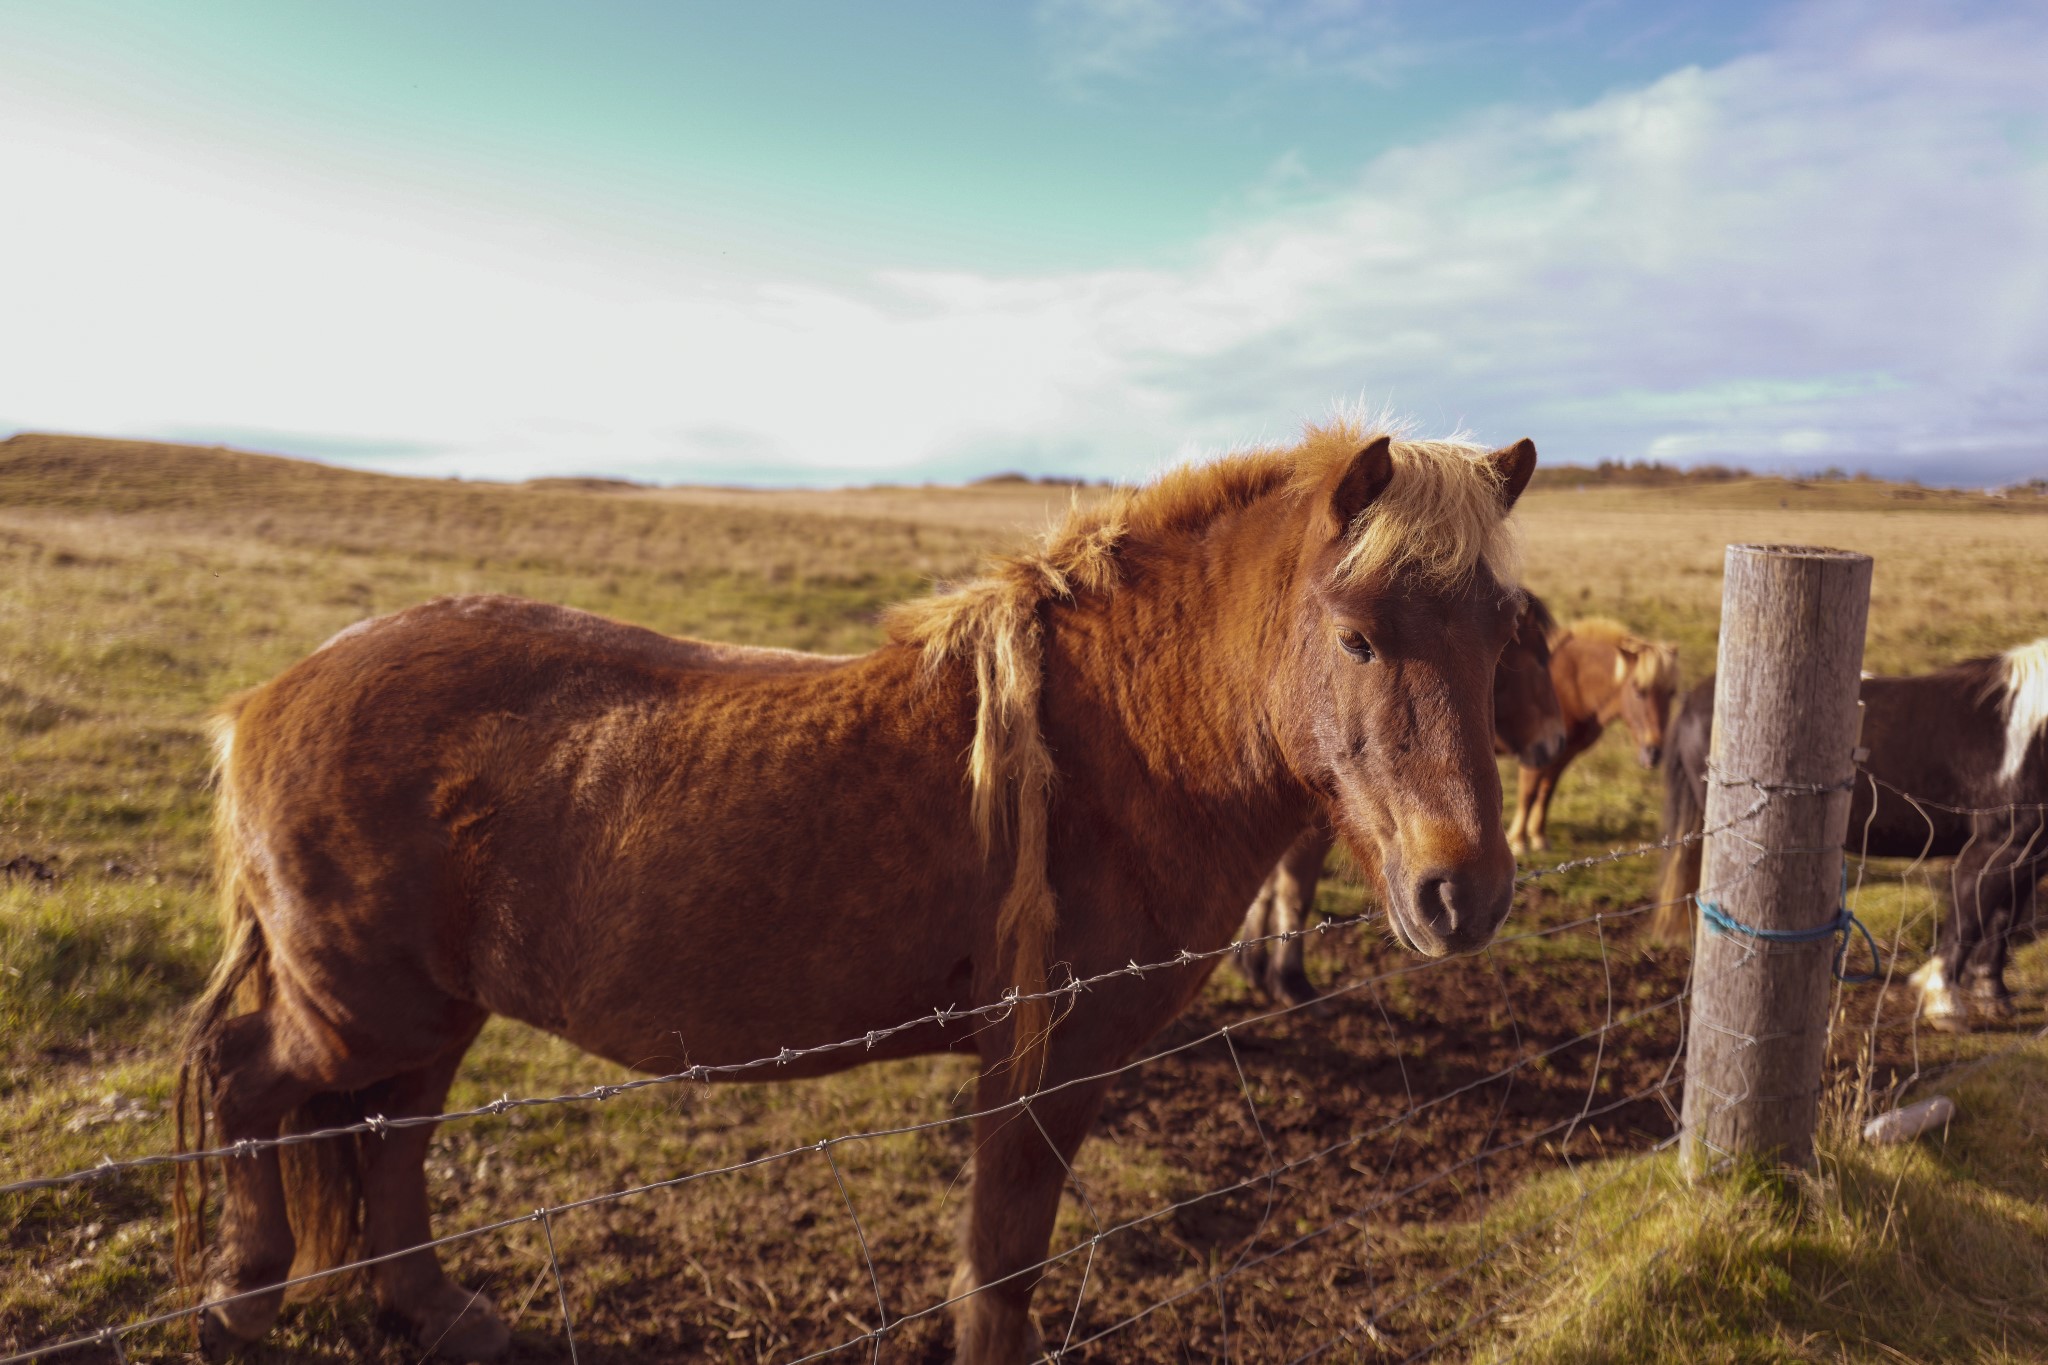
pixel 1685 818
pixel 322 1180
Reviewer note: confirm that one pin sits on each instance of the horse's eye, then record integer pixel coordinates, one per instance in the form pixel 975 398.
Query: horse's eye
pixel 1355 644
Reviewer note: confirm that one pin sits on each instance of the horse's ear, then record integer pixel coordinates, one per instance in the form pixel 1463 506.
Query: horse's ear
pixel 1365 478
pixel 1625 653
pixel 1515 464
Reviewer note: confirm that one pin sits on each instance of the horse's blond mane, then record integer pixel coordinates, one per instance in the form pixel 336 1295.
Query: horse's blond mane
pixel 2025 677
pixel 1440 517
pixel 1656 664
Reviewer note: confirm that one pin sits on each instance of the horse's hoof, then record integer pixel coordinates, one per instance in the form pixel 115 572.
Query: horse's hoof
pixel 1518 846
pixel 216 1342
pixel 455 1324
pixel 1293 989
pixel 979 1328
pixel 227 1327
pixel 1539 844
pixel 1992 1001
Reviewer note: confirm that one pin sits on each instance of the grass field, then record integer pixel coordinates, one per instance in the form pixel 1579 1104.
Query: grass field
pixel 140 585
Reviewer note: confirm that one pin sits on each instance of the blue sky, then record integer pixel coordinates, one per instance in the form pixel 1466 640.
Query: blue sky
pixel 832 242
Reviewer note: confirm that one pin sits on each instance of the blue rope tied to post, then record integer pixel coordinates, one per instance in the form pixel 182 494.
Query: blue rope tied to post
pixel 1844 920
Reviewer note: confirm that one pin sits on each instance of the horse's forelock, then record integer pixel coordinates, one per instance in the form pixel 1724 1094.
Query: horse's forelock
pixel 1440 517
pixel 1656 669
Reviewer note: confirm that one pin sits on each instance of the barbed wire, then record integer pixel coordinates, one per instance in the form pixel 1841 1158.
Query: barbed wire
pixel 1271 1177
pixel 995 1011
pixel 544 1215
pixel 1567 1125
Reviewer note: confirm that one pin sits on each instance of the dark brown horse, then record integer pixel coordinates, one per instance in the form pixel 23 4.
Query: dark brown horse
pixel 1603 673
pixel 670 852
pixel 1527 723
pixel 1957 768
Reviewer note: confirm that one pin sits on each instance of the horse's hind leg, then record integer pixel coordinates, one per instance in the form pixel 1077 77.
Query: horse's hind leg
pixel 252 1092
pixel 441 1316
pixel 1294 884
pixel 1255 956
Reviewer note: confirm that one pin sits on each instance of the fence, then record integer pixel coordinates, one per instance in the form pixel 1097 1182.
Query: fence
pixel 1752 1021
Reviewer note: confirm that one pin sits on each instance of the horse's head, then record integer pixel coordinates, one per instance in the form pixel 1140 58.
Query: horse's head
pixel 1405 604
pixel 1528 722
pixel 1648 674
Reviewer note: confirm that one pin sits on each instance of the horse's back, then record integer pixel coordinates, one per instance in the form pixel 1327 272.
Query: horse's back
pixel 522 621
pixel 1935 741
pixel 538 809
pixel 398 712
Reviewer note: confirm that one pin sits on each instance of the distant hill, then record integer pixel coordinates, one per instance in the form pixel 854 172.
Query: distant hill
pixel 580 484
pixel 111 475
pixel 46 470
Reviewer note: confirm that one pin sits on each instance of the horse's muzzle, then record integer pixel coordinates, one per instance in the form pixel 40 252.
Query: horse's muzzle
pixel 1447 911
pixel 1648 754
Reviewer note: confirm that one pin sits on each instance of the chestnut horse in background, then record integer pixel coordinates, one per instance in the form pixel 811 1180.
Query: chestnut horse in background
pixel 1526 723
pixel 1602 674
pixel 1957 768
pixel 671 853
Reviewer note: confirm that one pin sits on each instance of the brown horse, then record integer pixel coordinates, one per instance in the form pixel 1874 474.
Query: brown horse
pixel 1527 723
pixel 670 852
pixel 1957 767
pixel 1603 674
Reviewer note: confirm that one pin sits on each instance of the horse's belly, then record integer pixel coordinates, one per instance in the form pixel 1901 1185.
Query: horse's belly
pixel 714 981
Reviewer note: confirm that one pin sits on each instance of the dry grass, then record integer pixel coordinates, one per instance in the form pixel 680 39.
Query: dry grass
pixel 139 585
pixel 1956 574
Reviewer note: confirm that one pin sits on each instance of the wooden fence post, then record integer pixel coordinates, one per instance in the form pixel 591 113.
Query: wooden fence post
pixel 1792 622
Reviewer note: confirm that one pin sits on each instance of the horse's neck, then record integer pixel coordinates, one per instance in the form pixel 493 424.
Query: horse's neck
pixel 1169 683
pixel 1590 691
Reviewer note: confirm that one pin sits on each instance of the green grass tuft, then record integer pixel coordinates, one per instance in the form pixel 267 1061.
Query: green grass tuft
pixel 1934 1250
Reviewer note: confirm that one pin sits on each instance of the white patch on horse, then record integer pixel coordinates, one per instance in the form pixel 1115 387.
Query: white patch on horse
pixel 2026 703
pixel 1938 1003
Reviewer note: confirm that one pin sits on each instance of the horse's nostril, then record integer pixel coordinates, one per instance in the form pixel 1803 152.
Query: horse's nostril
pixel 1433 898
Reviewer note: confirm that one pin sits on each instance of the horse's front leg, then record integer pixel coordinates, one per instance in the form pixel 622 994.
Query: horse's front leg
pixel 1985 972
pixel 1972 900
pixel 1021 1161
pixel 1525 798
pixel 445 1319
pixel 2005 894
pixel 1536 831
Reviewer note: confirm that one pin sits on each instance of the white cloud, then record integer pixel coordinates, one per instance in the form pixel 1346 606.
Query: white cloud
pixel 1835 249
pixel 1094 41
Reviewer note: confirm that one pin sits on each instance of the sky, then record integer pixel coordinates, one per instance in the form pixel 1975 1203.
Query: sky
pixel 828 243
